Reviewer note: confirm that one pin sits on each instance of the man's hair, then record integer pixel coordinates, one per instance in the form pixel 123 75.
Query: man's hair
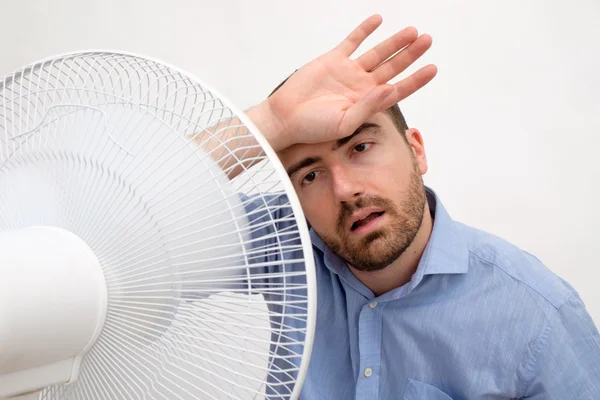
pixel 393 112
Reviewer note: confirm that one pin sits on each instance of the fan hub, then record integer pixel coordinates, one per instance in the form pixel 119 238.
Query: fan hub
pixel 43 332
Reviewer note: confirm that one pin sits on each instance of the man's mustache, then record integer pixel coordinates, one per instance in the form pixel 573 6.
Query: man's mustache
pixel 348 209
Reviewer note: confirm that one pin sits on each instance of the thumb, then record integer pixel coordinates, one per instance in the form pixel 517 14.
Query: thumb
pixel 365 108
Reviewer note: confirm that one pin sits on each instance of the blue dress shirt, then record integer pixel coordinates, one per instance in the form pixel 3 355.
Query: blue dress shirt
pixel 480 319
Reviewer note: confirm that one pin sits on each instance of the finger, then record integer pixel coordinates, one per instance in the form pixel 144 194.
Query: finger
pixel 387 48
pixel 399 62
pixel 365 108
pixel 358 35
pixel 408 86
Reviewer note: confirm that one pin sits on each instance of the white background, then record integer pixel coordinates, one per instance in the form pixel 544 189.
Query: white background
pixel 511 122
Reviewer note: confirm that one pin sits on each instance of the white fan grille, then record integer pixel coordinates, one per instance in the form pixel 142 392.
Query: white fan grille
pixel 210 283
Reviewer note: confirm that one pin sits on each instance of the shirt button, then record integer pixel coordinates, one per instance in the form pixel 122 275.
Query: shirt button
pixel 373 304
pixel 368 372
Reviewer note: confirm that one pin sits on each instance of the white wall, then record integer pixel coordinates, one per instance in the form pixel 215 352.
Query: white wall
pixel 510 123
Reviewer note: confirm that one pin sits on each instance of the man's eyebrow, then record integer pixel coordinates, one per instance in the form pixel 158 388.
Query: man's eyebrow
pixel 302 164
pixel 359 130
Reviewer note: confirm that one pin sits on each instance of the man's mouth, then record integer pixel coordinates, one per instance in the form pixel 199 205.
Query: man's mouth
pixel 365 221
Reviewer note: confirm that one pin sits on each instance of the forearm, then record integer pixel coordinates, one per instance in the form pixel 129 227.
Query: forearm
pixel 231 144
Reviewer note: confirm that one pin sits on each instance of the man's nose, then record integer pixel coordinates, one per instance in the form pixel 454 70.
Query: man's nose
pixel 347 185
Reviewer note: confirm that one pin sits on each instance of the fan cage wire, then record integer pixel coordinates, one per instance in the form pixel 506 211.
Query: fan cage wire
pixel 127 325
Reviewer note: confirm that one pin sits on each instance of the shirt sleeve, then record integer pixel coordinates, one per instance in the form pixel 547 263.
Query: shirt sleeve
pixel 277 272
pixel 275 250
pixel 566 361
pixel 272 249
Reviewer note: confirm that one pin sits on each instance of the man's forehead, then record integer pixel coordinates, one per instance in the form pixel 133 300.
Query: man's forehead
pixel 300 150
pixel 295 156
pixel 379 120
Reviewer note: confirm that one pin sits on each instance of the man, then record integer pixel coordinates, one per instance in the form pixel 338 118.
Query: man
pixel 411 304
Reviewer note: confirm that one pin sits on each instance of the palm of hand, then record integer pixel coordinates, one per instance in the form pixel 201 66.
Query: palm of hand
pixel 332 95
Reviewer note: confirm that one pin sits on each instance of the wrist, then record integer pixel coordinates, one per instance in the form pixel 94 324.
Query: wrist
pixel 267 122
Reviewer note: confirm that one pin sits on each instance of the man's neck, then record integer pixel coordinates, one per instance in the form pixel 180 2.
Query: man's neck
pixel 400 271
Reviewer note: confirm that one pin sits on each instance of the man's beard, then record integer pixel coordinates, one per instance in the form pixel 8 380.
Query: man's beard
pixel 365 255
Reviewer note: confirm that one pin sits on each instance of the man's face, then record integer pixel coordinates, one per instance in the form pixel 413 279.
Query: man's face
pixel 363 195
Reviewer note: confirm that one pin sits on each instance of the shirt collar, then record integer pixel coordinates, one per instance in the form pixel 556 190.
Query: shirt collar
pixel 446 252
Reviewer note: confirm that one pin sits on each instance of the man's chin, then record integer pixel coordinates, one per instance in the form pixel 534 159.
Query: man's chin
pixel 369 264
pixel 372 242
pixel 369 252
pixel 373 256
pixel 375 237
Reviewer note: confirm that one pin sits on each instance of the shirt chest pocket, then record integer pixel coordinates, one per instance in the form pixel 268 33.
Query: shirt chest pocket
pixel 416 390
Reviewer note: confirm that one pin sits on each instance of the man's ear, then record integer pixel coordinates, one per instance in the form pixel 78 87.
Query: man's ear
pixel 417 146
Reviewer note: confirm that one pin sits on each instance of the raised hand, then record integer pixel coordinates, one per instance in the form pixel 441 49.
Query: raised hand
pixel 329 97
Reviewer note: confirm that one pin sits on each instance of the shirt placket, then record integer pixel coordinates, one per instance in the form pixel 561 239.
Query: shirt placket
pixel 369 342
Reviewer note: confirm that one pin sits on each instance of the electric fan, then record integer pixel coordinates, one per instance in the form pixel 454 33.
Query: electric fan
pixel 151 245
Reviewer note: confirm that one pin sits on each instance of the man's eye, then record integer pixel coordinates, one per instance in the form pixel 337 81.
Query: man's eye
pixel 362 147
pixel 311 176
